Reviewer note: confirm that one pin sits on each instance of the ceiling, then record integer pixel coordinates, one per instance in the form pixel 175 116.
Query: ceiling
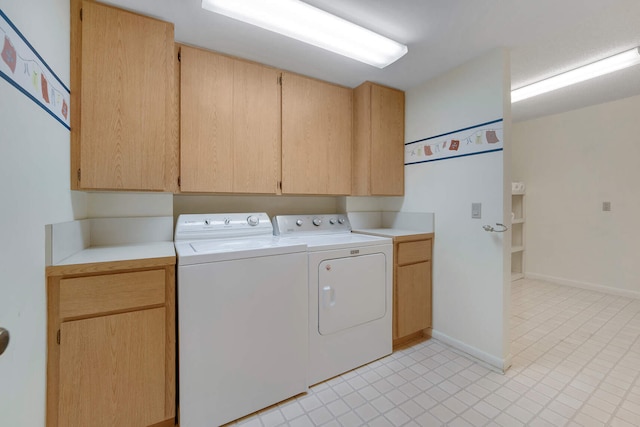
pixel 544 37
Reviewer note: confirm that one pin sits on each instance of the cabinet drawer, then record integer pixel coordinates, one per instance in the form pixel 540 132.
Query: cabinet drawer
pixel 412 252
pixel 94 295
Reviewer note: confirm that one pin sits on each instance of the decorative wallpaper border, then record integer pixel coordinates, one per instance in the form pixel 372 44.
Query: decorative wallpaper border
pixel 24 69
pixel 478 139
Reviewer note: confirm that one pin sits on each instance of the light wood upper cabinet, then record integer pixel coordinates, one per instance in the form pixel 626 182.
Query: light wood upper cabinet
pixel 230 124
pixel 316 136
pixel 378 147
pixel 206 121
pixel 123 130
pixel 256 126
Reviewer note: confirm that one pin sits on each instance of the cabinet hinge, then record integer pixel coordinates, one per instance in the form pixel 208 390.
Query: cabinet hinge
pixel 58 336
pixel 179 55
pixel 79 174
pixel 280 185
pixel 178 181
pixel 81 14
pixel 280 79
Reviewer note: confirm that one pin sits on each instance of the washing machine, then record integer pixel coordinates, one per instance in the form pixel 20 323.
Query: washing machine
pixel 242 317
pixel 350 292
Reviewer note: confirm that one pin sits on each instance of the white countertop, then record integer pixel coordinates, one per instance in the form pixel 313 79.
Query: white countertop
pixel 392 224
pixel 389 232
pixel 120 253
pixel 101 240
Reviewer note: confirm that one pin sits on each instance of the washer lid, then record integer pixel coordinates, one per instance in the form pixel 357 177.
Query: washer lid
pixel 205 251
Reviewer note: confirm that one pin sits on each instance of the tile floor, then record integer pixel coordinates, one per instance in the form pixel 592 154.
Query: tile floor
pixel 576 362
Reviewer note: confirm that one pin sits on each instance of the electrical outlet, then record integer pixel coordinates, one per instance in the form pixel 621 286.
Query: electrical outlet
pixel 476 210
pixel 606 206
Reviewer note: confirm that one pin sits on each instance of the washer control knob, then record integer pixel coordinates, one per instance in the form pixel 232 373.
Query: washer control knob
pixel 253 220
pixel 341 220
pixel 332 221
pixel 299 223
pixel 317 221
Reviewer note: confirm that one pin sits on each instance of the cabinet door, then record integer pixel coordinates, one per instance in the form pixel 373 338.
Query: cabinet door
pixel 361 150
pixel 126 90
pixel 316 136
pixel 230 124
pixel 256 128
pixel 206 121
pixel 112 370
pixel 387 141
pixel 378 143
pixel 413 298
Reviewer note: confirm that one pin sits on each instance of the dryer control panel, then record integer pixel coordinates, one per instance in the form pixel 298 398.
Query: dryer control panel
pixel 311 224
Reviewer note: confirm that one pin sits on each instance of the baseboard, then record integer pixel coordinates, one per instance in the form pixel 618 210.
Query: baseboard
pixel 171 422
pixel 584 285
pixel 492 362
pixel 410 340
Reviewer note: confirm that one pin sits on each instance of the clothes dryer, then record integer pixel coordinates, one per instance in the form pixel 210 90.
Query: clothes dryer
pixel 350 292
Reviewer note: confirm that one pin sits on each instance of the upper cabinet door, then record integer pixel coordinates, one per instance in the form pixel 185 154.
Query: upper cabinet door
pixel 126 92
pixel 230 124
pixel 256 128
pixel 206 121
pixel 387 141
pixel 378 149
pixel 316 136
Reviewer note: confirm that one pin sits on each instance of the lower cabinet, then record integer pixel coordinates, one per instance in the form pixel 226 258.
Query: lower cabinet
pixel 412 287
pixel 112 370
pixel 111 346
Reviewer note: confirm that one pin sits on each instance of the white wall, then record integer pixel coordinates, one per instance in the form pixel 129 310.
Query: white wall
pixel 571 163
pixel 471 268
pixel 125 204
pixel 363 204
pixel 272 205
pixel 34 167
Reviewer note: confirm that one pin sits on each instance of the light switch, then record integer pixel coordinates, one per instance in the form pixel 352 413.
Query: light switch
pixel 476 210
pixel 606 206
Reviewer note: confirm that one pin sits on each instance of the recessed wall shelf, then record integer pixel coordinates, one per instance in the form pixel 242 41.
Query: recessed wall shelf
pixel 517 235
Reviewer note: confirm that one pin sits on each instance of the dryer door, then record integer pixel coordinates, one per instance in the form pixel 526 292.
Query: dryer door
pixel 351 292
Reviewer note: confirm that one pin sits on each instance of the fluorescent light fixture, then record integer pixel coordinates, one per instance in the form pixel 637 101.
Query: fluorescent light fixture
pixel 595 69
pixel 293 18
